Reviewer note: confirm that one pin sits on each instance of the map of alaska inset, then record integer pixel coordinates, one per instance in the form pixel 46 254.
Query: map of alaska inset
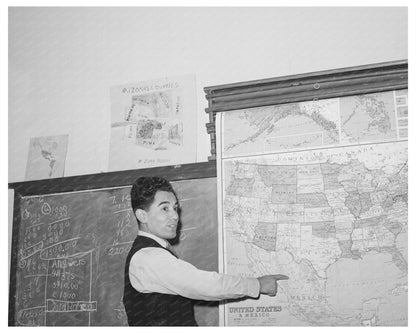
pixel 280 127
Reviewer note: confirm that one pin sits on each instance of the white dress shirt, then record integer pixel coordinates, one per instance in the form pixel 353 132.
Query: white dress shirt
pixel 153 269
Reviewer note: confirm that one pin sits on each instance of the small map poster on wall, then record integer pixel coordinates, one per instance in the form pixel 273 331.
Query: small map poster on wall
pixel 46 158
pixel 153 123
pixel 317 191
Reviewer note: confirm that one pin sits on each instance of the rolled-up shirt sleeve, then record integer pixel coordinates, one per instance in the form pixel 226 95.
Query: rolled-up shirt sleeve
pixel 156 270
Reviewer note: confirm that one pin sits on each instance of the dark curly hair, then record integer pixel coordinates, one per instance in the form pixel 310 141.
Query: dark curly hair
pixel 144 190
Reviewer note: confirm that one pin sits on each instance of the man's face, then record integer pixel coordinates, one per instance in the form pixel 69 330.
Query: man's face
pixel 161 219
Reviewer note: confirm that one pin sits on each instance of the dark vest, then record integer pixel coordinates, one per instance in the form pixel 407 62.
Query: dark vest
pixel 154 309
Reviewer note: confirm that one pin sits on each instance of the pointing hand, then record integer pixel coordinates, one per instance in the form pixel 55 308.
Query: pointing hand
pixel 268 283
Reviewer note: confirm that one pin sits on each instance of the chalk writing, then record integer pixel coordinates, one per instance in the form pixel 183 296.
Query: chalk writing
pixel 54 305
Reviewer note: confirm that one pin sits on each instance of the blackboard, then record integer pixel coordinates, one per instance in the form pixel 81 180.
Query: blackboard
pixel 69 248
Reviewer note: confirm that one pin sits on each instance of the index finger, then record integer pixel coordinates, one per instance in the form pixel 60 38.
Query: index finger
pixel 280 277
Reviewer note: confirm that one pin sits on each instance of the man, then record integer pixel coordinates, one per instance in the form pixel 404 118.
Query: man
pixel 159 287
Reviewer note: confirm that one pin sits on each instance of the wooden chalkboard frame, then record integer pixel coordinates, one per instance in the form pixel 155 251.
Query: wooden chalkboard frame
pixel 90 182
pixel 303 87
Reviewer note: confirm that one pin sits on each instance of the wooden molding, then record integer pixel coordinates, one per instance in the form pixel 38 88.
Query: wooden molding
pixel 113 179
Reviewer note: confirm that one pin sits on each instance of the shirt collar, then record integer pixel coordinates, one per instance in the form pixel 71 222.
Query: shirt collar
pixel 161 241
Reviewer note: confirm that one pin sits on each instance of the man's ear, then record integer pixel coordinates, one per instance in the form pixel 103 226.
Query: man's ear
pixel 141 215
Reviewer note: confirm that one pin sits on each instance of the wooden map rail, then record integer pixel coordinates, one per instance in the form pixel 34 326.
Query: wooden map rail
pixel 303 87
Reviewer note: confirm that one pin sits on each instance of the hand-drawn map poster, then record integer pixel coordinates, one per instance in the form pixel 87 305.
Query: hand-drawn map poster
pixel 153 123
pixel 46 158
pixel 318 191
